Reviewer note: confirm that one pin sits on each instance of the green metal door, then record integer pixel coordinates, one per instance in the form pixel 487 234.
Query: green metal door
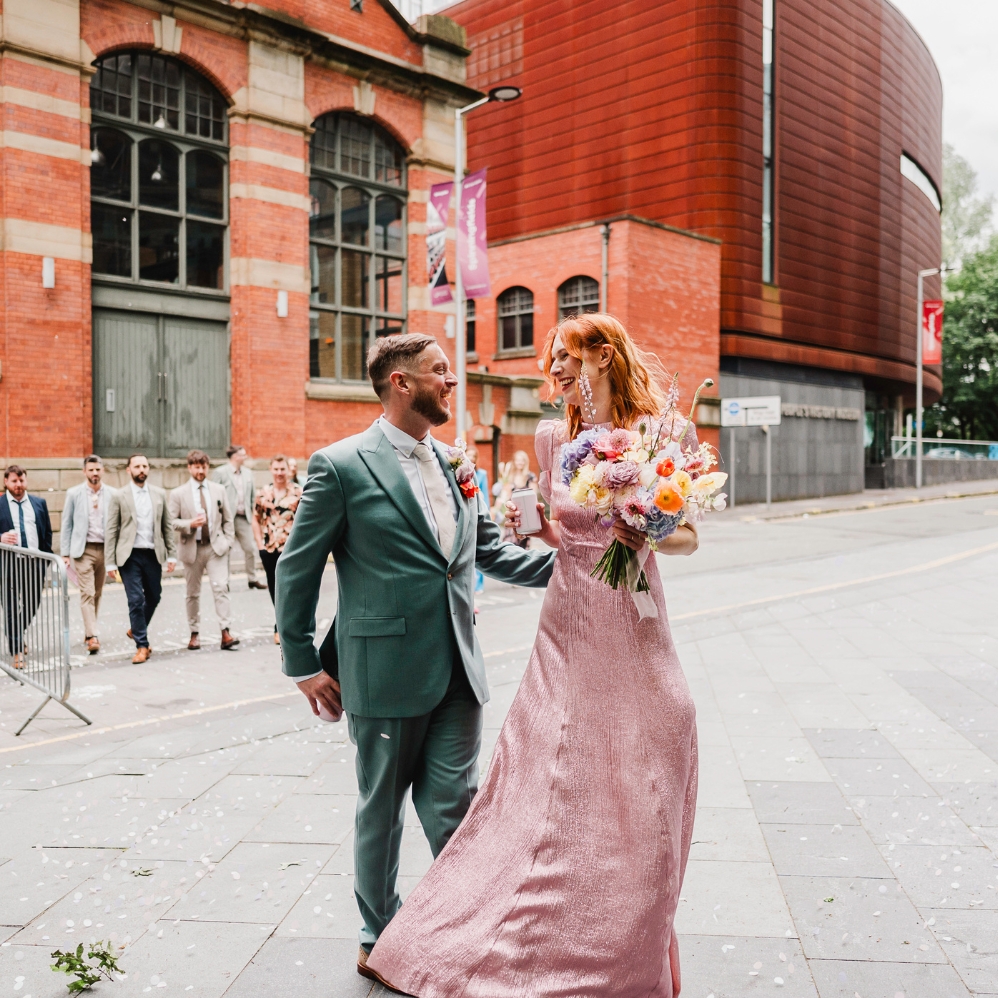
pixel 161 384
pixel 126 369
pixel 196 386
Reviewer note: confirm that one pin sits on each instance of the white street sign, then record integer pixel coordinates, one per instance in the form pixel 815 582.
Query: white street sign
pixel 752 410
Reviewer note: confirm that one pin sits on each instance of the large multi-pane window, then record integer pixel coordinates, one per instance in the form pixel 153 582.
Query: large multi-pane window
pixel 515 313
pixel 767 140
pixel 576 296
pixel 357 235
pixel 159 204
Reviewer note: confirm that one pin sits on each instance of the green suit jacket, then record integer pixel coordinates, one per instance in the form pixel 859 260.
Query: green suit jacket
pixel 404 610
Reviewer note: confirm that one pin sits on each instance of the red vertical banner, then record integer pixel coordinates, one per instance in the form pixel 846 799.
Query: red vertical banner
pixel 932 332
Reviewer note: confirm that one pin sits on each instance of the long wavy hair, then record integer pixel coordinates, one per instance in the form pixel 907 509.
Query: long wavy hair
pixel 636 376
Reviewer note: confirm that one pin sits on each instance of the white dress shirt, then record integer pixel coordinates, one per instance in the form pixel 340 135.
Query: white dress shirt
pixel 196 488
pixel 30 527
pixel 95 513
pixel 403 446
pixel 144 537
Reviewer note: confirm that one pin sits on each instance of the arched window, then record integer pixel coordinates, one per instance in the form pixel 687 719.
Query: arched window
pixel 159 203
pixel 515 312
pixel 576 296
pixel 357 235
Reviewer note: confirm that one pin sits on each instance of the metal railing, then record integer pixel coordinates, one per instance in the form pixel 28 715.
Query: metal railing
pixel 946 448
pixel 34 597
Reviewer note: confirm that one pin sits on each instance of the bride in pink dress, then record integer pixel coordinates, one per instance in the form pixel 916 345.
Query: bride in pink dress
pixel 563 879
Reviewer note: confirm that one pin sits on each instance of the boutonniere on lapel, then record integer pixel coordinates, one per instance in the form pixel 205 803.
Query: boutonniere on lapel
pixel 464 470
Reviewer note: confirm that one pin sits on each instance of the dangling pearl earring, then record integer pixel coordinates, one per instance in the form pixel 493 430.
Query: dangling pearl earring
pixel 588 407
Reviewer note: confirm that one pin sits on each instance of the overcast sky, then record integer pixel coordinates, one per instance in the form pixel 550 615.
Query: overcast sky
pixel 963 37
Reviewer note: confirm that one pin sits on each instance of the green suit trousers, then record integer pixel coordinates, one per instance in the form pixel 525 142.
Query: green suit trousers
pixel 435 753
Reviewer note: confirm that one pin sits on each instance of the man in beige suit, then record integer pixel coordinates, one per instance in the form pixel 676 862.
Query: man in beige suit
pixel 138 539
pixel 203 520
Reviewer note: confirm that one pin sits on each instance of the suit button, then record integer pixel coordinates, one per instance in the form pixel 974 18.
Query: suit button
pixel 450 575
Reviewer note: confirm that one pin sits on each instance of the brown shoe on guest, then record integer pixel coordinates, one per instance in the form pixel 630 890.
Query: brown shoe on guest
pixel 18 662
pixel 365 971
pixel 93 645
pixel 141 655
pixel 195 643
pixel 228 641
pixel 253 584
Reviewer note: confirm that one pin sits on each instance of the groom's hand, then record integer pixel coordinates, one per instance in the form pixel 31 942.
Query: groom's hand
pixel 322 689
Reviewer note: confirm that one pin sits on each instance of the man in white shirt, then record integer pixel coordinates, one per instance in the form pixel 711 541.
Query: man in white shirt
pixel 81 541
pixel 237 480
pixel 24 523
pixel 202 518
pixel 139 539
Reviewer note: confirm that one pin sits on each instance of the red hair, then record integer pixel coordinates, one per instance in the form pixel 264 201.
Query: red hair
pixel 634 374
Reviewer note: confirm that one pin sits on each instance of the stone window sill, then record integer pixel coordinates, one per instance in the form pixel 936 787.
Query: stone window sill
pixel 516 354
pixel 334 391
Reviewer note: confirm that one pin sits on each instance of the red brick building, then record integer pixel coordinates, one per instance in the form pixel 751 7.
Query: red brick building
pixel 804 135
pixel 208 214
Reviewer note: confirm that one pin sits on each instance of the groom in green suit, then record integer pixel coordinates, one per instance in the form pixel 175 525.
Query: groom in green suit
pixel 401 659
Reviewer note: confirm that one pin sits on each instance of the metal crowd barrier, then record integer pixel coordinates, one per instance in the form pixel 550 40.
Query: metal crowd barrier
pixel 34 608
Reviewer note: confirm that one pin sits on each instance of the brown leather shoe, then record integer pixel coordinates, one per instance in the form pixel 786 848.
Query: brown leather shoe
pixel 18 662
pixel 195 643
pixel 253 584
pixel 365 971
pixel 93 645
pixel 141 655
pixel 228 641
pixel 129 635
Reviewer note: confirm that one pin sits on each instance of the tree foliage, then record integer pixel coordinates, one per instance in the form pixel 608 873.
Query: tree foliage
pixel 966 215
pixel 969 406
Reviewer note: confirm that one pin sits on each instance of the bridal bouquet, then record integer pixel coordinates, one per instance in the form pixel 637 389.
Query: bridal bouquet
pixel 646 478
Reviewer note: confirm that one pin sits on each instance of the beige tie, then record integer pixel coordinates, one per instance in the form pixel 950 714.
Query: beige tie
pixel 436 489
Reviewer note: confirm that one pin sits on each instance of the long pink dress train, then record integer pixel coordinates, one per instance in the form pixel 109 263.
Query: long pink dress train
pixel 564 877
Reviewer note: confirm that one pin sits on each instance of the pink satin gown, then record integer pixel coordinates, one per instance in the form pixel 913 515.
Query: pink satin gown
pixel 564 877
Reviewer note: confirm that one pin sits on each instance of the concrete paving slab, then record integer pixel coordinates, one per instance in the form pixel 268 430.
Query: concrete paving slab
pixel 921 820
pixel 786 758
pixel 744 965
pixel 255 882
pixel 800 803
pixel 316 818
pixel 728 834
pixel 851 918
pixel 823 851
pixel 306 966
pixel 846 743
pixel 975 803
pixel 970 941
pixel 944 877
pixel 732 899
pixel 877 777
pixel 848 978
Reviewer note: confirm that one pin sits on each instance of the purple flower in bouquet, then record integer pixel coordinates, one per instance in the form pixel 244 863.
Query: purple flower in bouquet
pixel 620 474
pixel 575 453
pixel 660 525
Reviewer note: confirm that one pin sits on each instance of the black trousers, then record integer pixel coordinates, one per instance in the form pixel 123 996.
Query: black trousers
pixel 142 577
pixel 269 560
pixel 22 585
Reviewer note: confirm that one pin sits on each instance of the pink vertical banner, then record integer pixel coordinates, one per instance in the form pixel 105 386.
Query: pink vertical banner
pixel 472 242
pixel 437 211
pixel 932 332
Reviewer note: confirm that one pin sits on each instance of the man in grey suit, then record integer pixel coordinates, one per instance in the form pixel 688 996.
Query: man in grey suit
pixel 81 541
pixel 401 658
pixel 139 539
pixel 237 480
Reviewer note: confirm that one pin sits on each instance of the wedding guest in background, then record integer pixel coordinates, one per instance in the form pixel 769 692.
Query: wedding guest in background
pixel 139 539
pixel 203 521
pixel 293 472
pixel 515 474
pixel 273 515
pixel 482 481
pixel 24 523
pixel 81 542
pixel 240 490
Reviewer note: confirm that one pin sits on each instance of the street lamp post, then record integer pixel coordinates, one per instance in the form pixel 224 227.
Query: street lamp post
pixel 496 95
pixel 922 274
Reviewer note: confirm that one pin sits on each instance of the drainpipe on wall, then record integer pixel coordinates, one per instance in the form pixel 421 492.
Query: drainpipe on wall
pixel 604 290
